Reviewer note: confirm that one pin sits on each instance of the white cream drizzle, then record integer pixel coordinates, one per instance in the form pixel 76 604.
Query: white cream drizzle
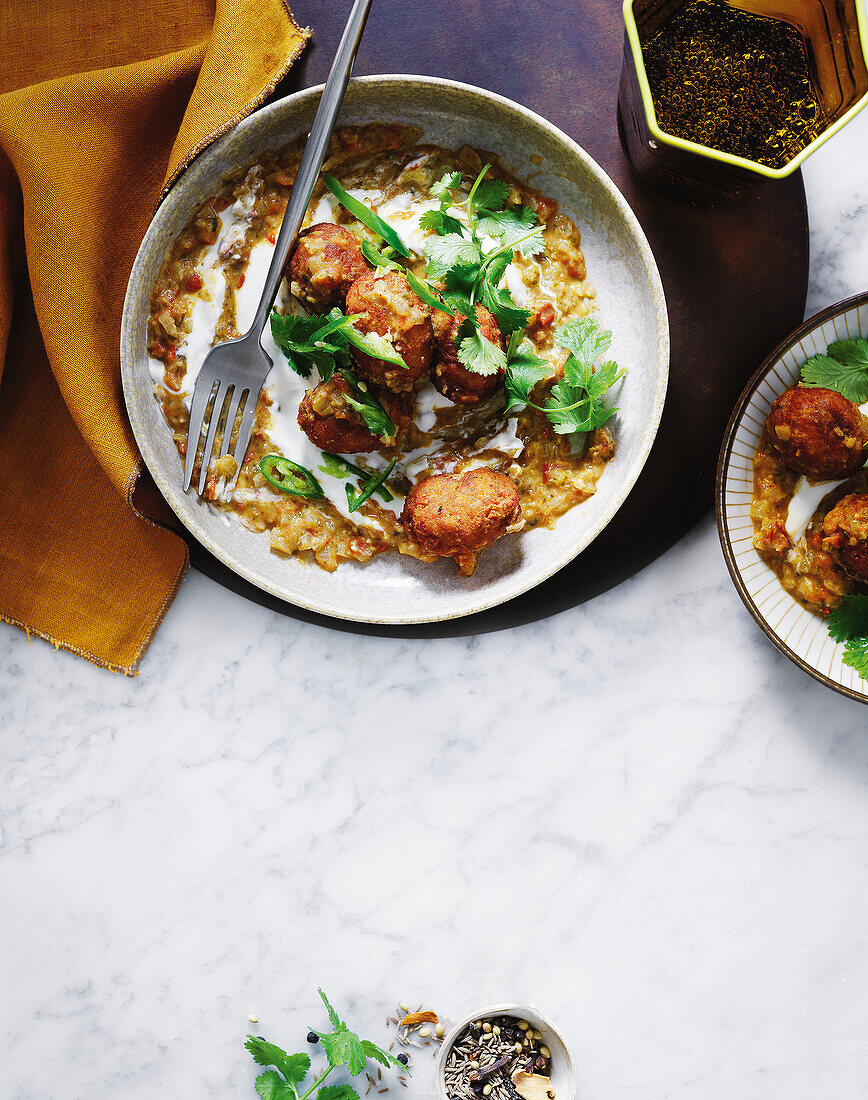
pixel 804 502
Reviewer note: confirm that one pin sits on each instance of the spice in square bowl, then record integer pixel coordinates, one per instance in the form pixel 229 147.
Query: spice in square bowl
pixel 505 1052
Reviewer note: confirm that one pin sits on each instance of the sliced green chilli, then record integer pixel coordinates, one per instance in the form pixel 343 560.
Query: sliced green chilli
pixel 422 291
pixel 342 467
pixel 356 500
pixel 366 216
pixel 290 477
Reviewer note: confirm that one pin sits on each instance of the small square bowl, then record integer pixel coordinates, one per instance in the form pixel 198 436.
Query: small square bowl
pixel 836 36
pixel 563 1075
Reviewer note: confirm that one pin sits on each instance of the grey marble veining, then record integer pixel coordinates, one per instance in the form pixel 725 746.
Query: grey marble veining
pixel 637 815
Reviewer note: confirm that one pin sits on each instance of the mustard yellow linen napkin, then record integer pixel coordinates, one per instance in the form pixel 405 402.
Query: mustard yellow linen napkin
pixel 102 105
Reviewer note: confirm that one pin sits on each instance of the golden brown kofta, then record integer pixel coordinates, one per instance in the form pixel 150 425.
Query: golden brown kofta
pixel 846 533
pixel 450 377
pixel 457 515
pixel 817 432
pixel 387 306
pixel 332 425
pixel 326 262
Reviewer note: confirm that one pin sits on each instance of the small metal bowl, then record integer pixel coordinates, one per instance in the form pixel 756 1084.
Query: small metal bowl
pixel 563 1075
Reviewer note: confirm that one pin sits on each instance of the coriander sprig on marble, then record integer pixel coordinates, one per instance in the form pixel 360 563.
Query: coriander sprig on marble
pixel 342 1047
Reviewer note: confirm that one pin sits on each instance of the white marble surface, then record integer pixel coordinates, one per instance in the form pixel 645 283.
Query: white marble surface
pixel 637 815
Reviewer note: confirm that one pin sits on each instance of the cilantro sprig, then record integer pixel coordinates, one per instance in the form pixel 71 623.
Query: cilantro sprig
pixel 843 368
pixel 341 1047
pixel 576 401
pixel 469 270
pixel 849 624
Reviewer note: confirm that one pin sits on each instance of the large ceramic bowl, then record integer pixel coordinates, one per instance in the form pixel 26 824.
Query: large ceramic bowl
pixel 392 588
pixel 801 636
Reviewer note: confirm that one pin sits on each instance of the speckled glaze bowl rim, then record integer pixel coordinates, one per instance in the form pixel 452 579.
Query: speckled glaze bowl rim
pixel 527 1012
pixel 177 500
pixel 757 379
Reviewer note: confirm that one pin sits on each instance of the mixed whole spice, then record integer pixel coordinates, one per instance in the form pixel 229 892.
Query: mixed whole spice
pixel 501 1058
pixel 734 81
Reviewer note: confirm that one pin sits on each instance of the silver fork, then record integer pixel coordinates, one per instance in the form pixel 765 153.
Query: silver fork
pixel 236 370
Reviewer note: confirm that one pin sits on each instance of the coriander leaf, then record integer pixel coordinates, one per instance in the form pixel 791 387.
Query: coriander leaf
pixel 849 624
pixel 462 278
pixel 294 1067
pixel 584 338
pixel 495 268
pixel 515 220
pixel 303 341
pixel 523 371
pixel 381 1056
pixel 850 379
pixel 423 292
pixel 271 1086
pixel 366 216
pixel 852 352
pixel 507 314
pixel 491 195
pixel 515 341
pixel 446 252
pixel 374 416
pixel 477 353
pixel 856 656
pixel 568 409
pixel 440 189
pixel 334 1019
pixel 377 258
pixel 521 241
pixel 849 621
pixel 337 1092
pixel 440 222
pixel 469 205
pixel 343 1048
pixel 573 409
pixel 343 1045
pixel 458 303
pixel 604 376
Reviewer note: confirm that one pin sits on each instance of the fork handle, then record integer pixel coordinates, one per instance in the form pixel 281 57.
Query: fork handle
pixel 312 158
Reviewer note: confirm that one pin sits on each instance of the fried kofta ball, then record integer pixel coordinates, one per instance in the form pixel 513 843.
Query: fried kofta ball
pixel 845 531
pixel 817 432
pixel 387 306
pixel 333 425
pixel 449 376
pixel 457 515
pixel 326 262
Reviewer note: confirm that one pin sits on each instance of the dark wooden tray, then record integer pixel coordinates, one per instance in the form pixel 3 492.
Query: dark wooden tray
pixel 735 276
